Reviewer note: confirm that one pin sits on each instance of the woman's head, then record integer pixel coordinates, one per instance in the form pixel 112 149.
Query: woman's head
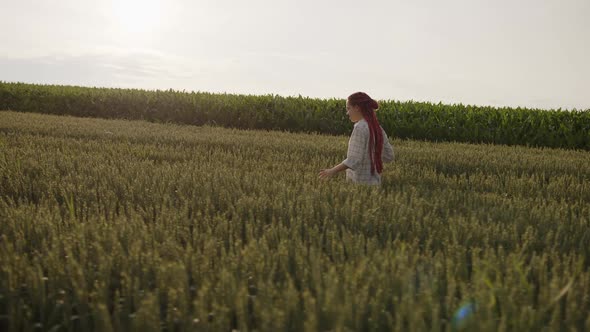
pixel 359 105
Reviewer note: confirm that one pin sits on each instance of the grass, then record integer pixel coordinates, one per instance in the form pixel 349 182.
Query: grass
pixel 129 225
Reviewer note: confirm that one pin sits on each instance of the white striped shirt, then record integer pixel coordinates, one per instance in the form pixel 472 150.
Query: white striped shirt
pixel 357 156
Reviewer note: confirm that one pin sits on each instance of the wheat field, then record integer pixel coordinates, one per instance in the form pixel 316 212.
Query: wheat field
pixel 117 225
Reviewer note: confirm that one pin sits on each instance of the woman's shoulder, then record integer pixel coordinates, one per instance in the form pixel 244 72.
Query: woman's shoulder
pixel 362 124
pixel 362 129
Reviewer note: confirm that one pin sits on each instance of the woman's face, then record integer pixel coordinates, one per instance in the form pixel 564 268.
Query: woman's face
pixel 353 112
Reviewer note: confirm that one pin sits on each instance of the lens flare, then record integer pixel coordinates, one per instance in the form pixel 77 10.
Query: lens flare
pixel 463 316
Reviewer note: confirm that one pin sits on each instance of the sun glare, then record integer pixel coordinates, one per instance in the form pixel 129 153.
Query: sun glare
pixel 136 17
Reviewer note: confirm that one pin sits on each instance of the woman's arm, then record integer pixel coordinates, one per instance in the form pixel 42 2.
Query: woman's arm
pixel 328 173
pixel 339 168
pixel 356 147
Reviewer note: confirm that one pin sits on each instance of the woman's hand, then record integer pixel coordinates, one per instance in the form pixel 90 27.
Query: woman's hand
pixel 327 173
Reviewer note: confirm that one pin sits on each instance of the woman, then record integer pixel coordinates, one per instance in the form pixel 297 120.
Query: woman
pixel 368 146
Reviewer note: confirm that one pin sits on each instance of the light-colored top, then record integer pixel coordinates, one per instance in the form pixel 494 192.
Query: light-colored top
pixel 357 156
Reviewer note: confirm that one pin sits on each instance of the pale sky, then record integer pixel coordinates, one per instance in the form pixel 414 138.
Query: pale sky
pixel 530 53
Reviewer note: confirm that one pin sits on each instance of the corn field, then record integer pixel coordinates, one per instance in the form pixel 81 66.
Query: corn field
pixel 119 225
pixel 405 120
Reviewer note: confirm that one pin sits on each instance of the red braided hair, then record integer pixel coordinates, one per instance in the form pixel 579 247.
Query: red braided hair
pixel 368 106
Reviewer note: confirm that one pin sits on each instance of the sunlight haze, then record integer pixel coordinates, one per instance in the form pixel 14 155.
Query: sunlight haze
pixel 499 53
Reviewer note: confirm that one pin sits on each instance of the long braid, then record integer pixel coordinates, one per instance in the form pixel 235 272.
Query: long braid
pixel 375 141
